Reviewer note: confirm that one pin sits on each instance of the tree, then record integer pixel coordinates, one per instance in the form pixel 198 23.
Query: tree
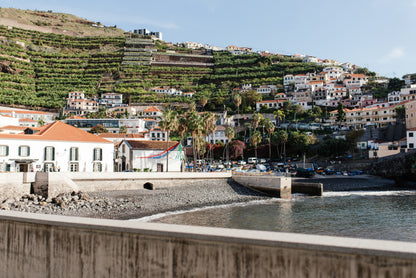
pixel 237 101
pixel 209 123
pixel 270 129
pixel 395 84
pixel 255 140
pixel 281 137
pixel 238 148
pixel 123 129
pixel 279 115
pixel 257 118
pixel 168 123
pixel 341 113
pixel 98 129
pixel 229 132
pixel 400 114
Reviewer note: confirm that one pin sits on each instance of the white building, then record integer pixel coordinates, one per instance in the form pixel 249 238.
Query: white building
pixel 55 147
pixel 111 99
pixel 411 138
pixel 29 114
pixel 150 155
pixel 275 104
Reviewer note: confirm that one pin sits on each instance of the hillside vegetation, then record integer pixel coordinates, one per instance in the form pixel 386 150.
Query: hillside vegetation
pixel 38 69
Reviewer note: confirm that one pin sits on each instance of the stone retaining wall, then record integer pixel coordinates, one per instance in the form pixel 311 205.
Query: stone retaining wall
pixel 34 245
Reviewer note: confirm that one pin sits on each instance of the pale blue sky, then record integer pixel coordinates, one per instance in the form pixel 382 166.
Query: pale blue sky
pixel 376 34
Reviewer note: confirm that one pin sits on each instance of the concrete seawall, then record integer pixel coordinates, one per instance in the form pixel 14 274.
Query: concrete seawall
pixel 14 185
pixel 55 246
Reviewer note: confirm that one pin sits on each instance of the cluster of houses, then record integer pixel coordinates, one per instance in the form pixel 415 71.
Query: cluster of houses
pixel 33 141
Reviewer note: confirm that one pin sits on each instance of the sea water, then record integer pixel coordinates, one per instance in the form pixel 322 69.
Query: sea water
pixel 389 215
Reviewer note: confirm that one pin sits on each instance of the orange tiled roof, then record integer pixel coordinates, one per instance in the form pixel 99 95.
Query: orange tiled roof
pixel 24 112
pixel 152 109
pixel 13 127
pixel 26 120
pixel 58 131
pixel 150 145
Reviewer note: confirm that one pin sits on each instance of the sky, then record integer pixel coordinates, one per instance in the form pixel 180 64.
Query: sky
pixel 376 34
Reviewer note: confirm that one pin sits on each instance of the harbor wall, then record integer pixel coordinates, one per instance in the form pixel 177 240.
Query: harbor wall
pixel 34 245
pixel 51 184
pixel 279 186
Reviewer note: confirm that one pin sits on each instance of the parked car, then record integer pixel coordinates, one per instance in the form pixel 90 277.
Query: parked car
pixel 252 160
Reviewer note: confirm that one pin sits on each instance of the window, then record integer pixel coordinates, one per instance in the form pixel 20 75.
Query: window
pixel 73 155
pixel 98 154
pixel 411 146
pixel 4 150
pixel 410 134
pixel 24 150
pixel 73 167
pixel 97 167
pixel 49 154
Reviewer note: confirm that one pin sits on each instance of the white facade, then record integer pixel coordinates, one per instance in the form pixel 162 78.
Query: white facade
pixel 7 120
pixel 411 138
pixel 111 99
pixel 142 155
pixel 47 150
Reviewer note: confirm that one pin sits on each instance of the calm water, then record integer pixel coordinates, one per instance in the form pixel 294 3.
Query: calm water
pixel 377 215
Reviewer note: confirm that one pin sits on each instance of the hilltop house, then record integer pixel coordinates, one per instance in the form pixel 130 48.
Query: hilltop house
pixel 55 147
pixel 77 104
pixel 151 155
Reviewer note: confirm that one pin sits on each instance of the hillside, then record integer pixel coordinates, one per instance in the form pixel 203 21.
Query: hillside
pixel 57 23
pixel 38 69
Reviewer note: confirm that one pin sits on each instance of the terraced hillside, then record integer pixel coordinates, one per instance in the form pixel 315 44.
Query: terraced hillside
pixel 39 69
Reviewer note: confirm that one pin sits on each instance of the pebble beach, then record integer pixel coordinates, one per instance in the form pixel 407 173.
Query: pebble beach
pixel 134 204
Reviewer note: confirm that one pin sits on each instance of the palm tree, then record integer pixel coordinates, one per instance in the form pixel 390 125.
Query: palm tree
pixel 237 102
pixel 229 132
pixel 255 140
pixel 257 117
pixel 279 115
pixel 195 126
pixel 168 123
pixel 270 129
pixel 209 123
pixel 283 137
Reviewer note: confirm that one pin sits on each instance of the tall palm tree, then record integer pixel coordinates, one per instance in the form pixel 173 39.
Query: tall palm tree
pixel 255 140
pixel 255 121
pixel 168 123
pixel 229 132
pixel 209 123
pixel 195 127
pixel 279 115
pixel 270 129
pixel 237 102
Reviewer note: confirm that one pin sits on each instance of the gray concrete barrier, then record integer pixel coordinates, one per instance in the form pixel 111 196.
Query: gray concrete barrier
pixel 54 246
pixel 278 186
pixel 51 184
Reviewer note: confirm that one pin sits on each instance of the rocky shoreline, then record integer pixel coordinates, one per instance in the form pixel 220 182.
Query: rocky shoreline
pixel 134 204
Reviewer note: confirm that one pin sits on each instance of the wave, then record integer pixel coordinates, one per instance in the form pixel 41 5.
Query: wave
pixel 176 212
pixel 369 193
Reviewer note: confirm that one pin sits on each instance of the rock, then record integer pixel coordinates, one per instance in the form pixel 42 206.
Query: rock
pixel 4 207
pixel 9 201
pixel 42 203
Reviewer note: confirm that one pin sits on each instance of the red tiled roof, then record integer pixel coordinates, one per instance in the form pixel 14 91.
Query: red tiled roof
pixel 26 120
pixel 150 145
pixel 152 109
pixel 58 131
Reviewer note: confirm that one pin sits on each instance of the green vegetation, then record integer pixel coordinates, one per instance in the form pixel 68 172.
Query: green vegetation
pixel 39 69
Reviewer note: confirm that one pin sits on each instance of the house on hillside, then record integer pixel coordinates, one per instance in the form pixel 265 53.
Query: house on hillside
pixel 111 99
pixel 55 147
pixel 150 155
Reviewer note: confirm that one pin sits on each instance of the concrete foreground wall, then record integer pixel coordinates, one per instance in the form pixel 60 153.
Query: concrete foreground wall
pixel 54 246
